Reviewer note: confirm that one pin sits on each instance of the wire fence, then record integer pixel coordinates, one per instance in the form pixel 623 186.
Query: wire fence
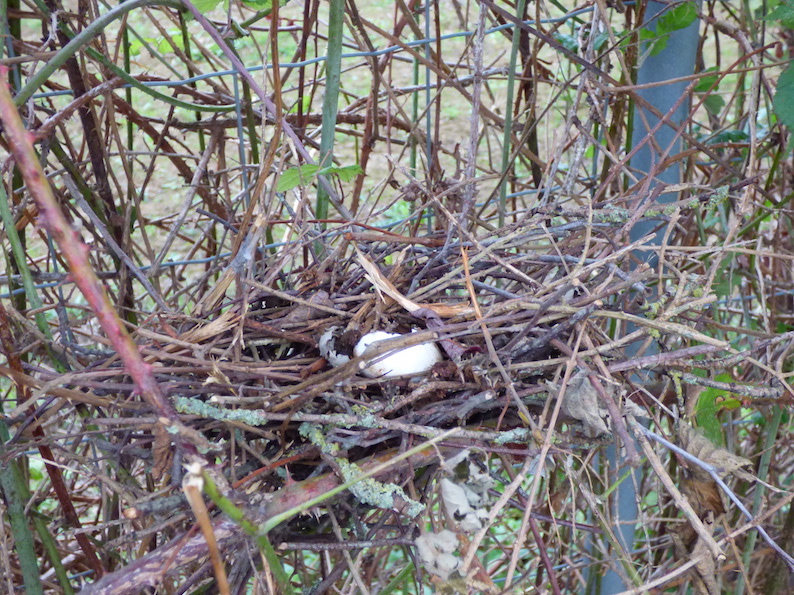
pixel 476 178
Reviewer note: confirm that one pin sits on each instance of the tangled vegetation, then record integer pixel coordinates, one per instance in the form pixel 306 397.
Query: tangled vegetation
pixel 208 209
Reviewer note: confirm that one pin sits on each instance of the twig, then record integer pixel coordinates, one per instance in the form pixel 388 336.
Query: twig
pixel 712 471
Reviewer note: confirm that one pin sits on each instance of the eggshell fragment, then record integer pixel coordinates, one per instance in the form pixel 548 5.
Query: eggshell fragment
pixel 328 349
pixel 416 359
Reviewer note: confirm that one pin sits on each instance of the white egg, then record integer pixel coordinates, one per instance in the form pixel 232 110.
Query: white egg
pixel 416 359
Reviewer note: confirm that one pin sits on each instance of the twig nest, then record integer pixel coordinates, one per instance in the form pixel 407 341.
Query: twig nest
pixel 417 359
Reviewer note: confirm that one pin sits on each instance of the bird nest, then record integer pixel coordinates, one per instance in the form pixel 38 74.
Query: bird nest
pixel 556 335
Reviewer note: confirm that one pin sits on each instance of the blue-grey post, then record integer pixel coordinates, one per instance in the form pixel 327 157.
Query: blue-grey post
pixel 676 60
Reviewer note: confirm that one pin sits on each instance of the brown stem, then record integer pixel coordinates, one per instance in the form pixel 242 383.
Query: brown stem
pixel 75 252
pixel 152 568
pixel 56 477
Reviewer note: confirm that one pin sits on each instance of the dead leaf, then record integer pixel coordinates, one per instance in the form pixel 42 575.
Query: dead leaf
pixel 701 447
pixel 245 249
pixel 304 313
pixel 213 298
pixel 384 286
pixel 703 495
pixel 436 553
pixel 216 375
pixel 210 329
pixel 457 503
pixel 449 310
pixel 161 451
pixel 581 402
pixel 689 545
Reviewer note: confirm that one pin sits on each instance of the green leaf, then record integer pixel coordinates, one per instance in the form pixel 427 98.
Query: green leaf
pixel 305 104
pixel 136 45
pixel 729 136
pixel 710 403
pixel 659 46
pixel 706 415
pixel 647 35
pixel 784 13
pixel 164 47
pixel 784 97
pixel 782 327
pixel 567 41
pixel 35 474
pixel 296 176
pixel 714 103
pixel 600 41
pixel 728 279
pixel 705 83
pixel 300 176
pixel 346 173
pixel 650 39
pixel 205 6
pixel 263 5
pixel 679 17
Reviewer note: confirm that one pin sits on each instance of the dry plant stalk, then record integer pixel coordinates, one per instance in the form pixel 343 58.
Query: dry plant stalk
pixel 175 252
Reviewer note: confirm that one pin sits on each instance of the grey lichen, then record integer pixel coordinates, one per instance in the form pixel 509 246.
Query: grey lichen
pixel 371 491
pixel 199 407
pixel 315 435
pixel 368 490
pixel 720 195
pixel 368 421
pixel 514 435
pixel 611 214
pixel 652 309
pixel 676 376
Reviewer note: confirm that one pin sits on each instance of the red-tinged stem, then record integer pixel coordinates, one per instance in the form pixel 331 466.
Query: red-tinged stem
pixel 76 254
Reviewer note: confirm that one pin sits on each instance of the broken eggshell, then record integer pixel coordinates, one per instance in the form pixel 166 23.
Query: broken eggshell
pixel 329 349
pixel 416 359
